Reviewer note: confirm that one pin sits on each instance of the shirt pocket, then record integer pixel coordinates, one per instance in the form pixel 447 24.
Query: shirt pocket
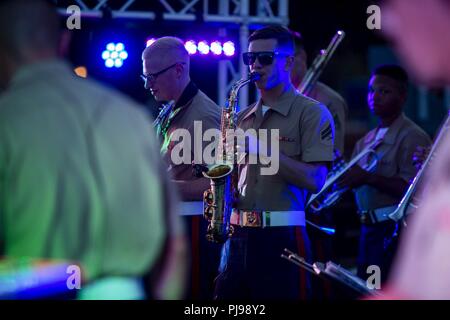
pixel 386 166
pixel 290 146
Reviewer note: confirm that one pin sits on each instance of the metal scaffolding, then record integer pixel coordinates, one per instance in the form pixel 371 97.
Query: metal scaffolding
pixel 244 13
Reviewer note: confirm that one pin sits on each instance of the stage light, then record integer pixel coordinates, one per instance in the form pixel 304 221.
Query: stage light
pixel 191 47
pixel 111 46
pixel 228 48
pixel 216 48
pixel 123 55
pixel 120 47
pixel 206 48
pixel 81 71
pixel 118 63
pixel 150 41
pixel 106 54
pixel 114 55
pixel 109 63
pixel 203 47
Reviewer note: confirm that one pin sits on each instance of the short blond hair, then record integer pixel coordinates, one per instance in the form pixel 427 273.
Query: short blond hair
pixel 167 49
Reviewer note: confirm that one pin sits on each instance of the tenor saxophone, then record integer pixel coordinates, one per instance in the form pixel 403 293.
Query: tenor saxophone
pixel 218 200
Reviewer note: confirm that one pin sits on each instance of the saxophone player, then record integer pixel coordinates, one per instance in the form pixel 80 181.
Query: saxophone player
pixel 166 75
pixel 269 215
pixel 378 193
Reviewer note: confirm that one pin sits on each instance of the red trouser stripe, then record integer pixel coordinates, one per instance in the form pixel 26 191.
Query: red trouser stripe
pixel 195 254
pixel 302 253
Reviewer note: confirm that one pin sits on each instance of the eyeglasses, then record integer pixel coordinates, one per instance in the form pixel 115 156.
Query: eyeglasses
pixel 264 57
pixel 152 76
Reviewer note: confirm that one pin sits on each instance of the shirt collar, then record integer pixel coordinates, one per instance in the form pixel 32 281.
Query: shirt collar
pixel 40 69
pixel 188 94
pixel 283 104
pixel 394 129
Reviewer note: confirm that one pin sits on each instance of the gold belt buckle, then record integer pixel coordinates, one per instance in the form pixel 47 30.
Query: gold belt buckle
pixel 252 219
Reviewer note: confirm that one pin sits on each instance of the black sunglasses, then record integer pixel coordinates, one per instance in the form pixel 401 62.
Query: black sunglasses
pixel 152 76
pixel 265 58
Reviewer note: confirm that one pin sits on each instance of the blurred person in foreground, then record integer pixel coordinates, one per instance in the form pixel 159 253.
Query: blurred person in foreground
pixel 80 175
pixel 421 269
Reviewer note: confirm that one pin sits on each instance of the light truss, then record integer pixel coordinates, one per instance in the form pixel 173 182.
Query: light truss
pixel 244 13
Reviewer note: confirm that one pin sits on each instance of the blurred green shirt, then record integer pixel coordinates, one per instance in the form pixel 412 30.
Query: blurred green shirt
pixel 80 174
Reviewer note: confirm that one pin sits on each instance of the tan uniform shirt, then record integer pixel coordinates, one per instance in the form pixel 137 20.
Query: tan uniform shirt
pixel 395 160
pixel 338 109
pixel 306 133
pixel 196 108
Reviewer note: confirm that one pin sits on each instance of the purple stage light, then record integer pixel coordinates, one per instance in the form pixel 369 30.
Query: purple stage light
pixel 203 47
pixel 216 48
pixel 150 41
pixel 228 48
pixel 190 46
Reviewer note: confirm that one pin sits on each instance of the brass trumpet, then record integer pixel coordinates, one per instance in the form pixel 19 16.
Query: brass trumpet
pixel 329 194
pixel 406 202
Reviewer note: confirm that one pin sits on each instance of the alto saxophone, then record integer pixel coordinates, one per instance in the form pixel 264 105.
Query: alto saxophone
pixel 219 199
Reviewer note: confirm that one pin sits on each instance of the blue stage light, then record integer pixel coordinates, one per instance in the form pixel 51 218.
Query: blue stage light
pixel 114 55
pixel 109 63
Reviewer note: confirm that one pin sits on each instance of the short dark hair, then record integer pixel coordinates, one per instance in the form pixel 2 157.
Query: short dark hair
pixel 281 34
pixel 394 72
pixel 28 25
pixel 299 43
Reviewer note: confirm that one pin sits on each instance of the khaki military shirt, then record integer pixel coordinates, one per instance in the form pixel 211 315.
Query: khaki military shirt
pixel 395 160
pixel 306 132
pixel 338 109
pixel 194 106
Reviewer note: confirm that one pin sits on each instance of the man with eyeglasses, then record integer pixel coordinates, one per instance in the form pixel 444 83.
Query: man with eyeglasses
pixel 269 215
pixel 166 74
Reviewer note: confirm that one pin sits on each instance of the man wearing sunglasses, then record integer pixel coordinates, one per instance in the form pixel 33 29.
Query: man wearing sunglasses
pixel 166 74
pixel 269 215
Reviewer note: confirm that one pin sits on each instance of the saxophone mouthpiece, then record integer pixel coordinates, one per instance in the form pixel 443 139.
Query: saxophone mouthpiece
pixel 254 76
